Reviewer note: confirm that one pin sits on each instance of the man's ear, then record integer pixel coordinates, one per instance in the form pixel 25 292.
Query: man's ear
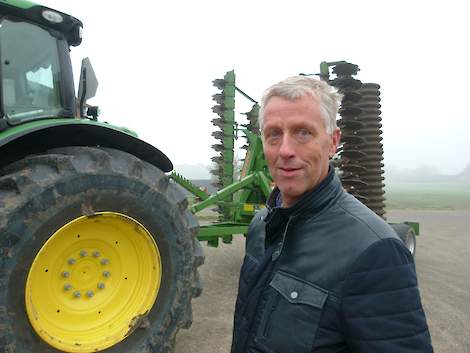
pixel 335 138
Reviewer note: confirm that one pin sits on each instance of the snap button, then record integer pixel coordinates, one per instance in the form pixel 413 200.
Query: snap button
pixel 294 295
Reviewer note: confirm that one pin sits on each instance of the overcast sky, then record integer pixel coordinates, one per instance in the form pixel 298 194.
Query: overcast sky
pixel 156 61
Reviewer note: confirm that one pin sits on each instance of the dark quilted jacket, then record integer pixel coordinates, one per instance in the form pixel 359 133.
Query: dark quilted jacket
pixel 327 275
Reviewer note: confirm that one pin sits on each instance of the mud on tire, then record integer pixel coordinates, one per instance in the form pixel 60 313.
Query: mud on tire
pixel 42 193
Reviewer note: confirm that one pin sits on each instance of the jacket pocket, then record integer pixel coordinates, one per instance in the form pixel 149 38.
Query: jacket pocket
pixel 291 316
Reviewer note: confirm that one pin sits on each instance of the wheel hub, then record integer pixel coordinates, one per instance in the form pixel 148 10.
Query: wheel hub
pixel 90 280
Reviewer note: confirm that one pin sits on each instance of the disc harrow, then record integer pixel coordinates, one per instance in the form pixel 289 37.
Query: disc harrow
pixel 360 153
pixel 252 125
pixel 222 169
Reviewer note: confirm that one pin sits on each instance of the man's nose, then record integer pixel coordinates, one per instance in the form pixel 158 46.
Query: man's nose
pixel 286 149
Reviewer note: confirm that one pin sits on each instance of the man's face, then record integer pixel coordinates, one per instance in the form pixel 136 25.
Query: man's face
pixel 296 145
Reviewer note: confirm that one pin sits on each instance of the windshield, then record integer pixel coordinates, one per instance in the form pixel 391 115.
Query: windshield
pixel 30 72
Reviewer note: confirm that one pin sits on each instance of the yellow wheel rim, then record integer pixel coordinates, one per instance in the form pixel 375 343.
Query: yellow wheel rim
pixel 92 282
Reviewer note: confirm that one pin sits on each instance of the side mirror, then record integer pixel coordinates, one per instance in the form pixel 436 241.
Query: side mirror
pixel 87 85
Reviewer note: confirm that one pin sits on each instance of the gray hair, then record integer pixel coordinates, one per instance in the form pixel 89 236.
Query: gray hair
pixel 295 87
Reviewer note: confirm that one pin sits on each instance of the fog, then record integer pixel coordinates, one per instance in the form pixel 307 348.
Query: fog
pixel 155 63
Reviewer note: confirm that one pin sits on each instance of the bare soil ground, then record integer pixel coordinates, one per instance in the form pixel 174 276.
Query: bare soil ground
pixel 442 262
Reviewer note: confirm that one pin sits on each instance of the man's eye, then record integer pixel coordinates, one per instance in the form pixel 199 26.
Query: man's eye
pixel 303 134
pixel 273 135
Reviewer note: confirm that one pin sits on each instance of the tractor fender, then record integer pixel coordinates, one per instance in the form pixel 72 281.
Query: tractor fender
pixel 40 136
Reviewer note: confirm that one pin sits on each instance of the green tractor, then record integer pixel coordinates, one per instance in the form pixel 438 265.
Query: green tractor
pixel 97 248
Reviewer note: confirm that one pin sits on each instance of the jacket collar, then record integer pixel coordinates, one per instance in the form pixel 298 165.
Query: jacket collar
pixel 309 204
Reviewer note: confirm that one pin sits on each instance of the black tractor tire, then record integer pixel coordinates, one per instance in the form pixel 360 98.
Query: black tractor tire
pixel 41 193
pixel 407 236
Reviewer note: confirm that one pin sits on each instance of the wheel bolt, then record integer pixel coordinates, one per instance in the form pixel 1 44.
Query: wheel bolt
pixel 104 261
pixel 71 261
pixel 83 253
pixel 67 286
pixel 77 294
pixel 106 273
pixel 89 293
pixel 65 274
pixel 96 253
pixel 101 285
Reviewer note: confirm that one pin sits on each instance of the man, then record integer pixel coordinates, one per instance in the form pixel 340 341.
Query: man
pixel 322 273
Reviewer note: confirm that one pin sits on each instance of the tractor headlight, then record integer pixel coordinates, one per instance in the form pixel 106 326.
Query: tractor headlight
pixel 52 16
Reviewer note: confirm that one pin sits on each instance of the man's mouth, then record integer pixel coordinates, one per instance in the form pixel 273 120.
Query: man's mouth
pixel 287 171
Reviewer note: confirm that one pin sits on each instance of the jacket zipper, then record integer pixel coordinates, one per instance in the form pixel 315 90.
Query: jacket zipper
pixel 274 301
pixel 278 251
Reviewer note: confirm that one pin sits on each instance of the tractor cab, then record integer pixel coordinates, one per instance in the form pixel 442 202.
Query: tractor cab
pixel 35 67
pixel 39 110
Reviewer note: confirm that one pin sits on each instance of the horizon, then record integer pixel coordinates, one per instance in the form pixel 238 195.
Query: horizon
pixel 393 173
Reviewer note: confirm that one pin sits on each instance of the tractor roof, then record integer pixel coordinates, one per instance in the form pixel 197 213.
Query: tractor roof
pixel 68 25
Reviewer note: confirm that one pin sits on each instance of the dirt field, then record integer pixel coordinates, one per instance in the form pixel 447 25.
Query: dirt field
pixel 443 265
